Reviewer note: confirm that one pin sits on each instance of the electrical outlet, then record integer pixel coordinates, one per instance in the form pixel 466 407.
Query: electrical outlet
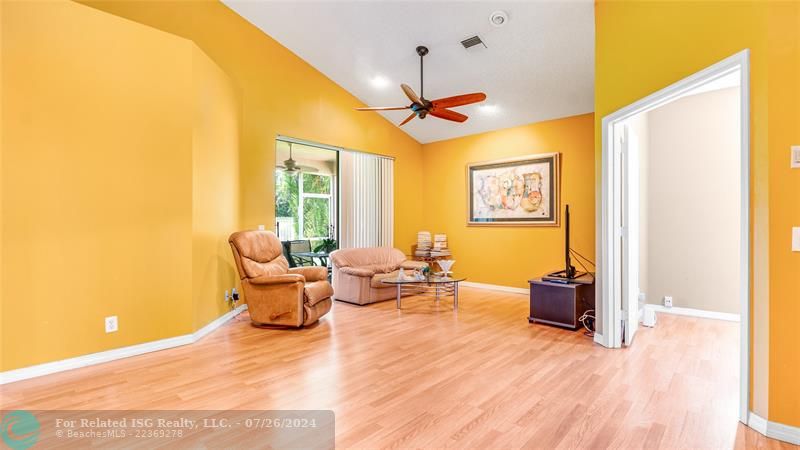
pixel 261 228
pixel 227 296
pixel 668 301
pixel 795 163
pixel 111 324
pixel 796 239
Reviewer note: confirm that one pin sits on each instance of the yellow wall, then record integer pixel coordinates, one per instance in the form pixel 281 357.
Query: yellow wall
pixel 509 256
pixel 215 187
pixel 136 152
pixel 784 211
pixel 644 46
pixel 97 190
pixel 282 94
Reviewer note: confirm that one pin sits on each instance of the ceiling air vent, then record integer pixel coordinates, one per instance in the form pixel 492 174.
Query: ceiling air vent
pixel 473 41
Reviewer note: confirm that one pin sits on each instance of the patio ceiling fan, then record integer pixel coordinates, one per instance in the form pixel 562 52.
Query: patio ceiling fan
pixel 421 107
pixel 291 166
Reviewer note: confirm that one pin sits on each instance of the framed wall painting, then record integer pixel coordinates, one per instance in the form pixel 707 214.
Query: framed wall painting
pixel 515 191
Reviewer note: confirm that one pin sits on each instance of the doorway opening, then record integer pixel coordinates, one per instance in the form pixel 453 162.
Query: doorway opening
pixel 673 221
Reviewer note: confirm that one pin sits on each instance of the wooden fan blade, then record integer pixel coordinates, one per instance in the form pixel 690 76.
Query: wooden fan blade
pixel 411 94
pixel 407 119
pixel 446 114
pixel 383 108
pixel 458 100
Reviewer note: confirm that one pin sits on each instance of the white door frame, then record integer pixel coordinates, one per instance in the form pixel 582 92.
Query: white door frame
pixel 608 294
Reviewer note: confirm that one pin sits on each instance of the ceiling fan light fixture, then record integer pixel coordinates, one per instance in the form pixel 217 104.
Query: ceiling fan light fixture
pixel 498 18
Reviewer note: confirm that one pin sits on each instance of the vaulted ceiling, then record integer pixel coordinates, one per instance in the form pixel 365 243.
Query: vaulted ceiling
pixel 538 66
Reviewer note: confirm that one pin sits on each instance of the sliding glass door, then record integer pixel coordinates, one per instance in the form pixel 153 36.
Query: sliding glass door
pixel 330 197
pixel 316 206
pixel 306 178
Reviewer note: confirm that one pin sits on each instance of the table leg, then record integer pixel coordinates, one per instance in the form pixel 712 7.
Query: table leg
pixel 398 296
pixel 455 295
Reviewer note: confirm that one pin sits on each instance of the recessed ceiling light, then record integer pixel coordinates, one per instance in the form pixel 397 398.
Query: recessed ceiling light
pixel 379 82
pixel 498 18
pixel 489 110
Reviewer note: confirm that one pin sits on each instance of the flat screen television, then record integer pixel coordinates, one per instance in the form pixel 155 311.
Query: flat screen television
pixel 569 274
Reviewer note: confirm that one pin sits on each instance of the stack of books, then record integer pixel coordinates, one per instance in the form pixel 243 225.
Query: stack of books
pixel 440 246
pixel 423 244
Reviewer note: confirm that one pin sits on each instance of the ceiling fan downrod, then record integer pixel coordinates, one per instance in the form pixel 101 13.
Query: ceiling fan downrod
pixel 421 51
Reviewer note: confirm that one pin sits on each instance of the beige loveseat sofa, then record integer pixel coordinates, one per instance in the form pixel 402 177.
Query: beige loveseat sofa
pixel 357 273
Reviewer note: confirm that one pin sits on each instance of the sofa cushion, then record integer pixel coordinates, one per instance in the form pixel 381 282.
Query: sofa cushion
pixel 381 268
pixel 356 271
pixel 311 273
pixel 258 253
pixel 373 256
pixel 317 291
pixel 253 269
pixel 376 279
pixel 260 246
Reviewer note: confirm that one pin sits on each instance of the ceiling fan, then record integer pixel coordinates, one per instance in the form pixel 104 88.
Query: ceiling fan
pixel 291 166
pixel 421 107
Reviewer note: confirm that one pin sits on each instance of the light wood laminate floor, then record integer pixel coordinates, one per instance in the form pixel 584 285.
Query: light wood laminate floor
pixel 426 377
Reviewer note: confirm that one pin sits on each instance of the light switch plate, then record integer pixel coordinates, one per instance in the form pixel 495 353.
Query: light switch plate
pixel 796 239
pixel 796 157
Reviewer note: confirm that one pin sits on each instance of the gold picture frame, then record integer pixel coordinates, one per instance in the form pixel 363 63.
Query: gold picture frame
pixel 519 191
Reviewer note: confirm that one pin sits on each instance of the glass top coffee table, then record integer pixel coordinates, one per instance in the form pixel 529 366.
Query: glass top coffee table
pixel 435 287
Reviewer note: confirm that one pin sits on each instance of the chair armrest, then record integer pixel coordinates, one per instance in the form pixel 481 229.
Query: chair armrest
pixel 277 279
pixel 311 273
pixel 411 264
pixel 357 271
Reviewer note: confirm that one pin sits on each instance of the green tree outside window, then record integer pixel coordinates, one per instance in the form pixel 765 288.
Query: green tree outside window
pixel 314 202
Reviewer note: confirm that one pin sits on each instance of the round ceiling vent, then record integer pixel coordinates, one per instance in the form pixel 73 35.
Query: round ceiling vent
pixel 498 18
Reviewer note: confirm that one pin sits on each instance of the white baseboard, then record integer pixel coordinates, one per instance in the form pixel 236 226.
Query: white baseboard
pixel 91 359
pixel 216 323
pixel 757 423
pixel 774 430
pixel 695 313
pixel 495 287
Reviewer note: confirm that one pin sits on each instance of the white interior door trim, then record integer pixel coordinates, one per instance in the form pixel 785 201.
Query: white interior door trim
pixel 610 313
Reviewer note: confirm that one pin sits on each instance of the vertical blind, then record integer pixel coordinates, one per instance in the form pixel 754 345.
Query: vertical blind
pixel 367 200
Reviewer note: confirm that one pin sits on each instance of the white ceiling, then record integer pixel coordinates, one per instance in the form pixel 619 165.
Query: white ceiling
pixel 539 66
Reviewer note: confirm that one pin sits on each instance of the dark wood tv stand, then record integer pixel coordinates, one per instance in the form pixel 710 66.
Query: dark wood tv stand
pixel 561 304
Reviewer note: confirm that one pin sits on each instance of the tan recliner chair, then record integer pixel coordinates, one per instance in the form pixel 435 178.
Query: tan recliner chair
pixel 357 273
pixel 274 293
